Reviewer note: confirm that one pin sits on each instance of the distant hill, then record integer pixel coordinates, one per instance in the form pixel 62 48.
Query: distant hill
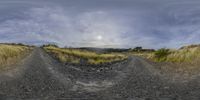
pixel 190 46
pixel 104 50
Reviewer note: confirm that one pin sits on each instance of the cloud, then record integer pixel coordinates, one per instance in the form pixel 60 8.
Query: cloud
pixel 127 23
pixel 55 25
pixel 179 22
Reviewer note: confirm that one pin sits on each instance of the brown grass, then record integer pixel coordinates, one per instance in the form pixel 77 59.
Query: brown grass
pixel 10 54
pixel 79 56
pixel 187 54
pixel 178 64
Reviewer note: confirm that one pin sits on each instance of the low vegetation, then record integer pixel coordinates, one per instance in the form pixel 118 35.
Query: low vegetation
pixel 147 55
pixel 161 54
pixel 139 51
pixel 187 54
pixel 69 55
pixel 11 53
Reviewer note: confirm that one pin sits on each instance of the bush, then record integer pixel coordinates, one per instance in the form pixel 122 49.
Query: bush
pixel 49 45
pixel 161 54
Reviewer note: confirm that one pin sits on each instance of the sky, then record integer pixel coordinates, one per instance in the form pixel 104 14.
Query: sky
pixel 101 23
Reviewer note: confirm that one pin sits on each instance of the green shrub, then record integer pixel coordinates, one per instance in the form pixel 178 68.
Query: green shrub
pixel 49 45
pixel 161 54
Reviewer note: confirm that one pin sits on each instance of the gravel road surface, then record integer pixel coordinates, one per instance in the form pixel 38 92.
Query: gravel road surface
pixel 40 77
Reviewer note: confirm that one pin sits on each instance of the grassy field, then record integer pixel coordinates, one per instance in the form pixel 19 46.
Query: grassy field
pixel 187 54
pixel 10 54
pixel 83 56
pixel 148 55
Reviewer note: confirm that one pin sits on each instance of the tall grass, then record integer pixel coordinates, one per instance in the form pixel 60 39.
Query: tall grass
pixel 83 56
pixel 10 54
pixel 187 54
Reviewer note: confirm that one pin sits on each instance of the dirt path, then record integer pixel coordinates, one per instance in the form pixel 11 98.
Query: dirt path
pixel 39 77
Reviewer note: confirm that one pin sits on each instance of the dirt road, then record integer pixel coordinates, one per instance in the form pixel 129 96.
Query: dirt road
pixel 40 77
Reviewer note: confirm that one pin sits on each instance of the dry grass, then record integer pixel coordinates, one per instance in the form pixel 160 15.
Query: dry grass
pixel 177 64
pixel 147 55
pixel 187 54
pixel 10 54
pixel 83 56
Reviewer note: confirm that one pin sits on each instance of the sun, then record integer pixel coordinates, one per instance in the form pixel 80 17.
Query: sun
pixel 99 37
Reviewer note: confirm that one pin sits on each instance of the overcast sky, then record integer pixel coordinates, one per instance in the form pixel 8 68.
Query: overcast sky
pixel 101 23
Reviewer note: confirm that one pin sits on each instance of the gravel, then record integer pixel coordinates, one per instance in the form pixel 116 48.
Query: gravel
pixel 40 77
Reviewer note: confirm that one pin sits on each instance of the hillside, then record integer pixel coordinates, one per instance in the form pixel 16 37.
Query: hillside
pixel 186 54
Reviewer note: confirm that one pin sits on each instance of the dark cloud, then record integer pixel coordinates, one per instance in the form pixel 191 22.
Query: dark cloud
pixel 119 23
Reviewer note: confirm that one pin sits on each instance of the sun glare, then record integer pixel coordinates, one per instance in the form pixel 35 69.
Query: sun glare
pixel 99 37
